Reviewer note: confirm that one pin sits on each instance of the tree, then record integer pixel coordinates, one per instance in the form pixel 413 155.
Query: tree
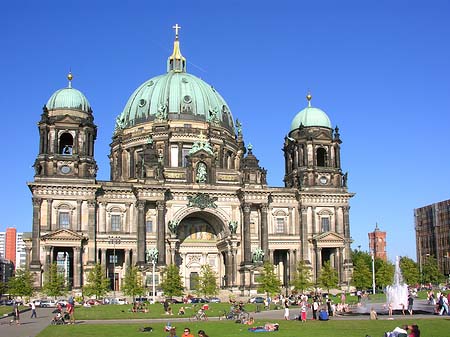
pixel 21 284
pixel 302 277
pixel 171 283
pixel 133 284
pixel 384 275
pixel 362 275
pixel 430 271
pixel 269 283
pixel 410 271
pixel 328 277
pixel 207 282
pixel 55 283
pixel 97 284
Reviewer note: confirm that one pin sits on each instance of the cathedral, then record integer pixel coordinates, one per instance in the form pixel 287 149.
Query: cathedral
pixel 184 189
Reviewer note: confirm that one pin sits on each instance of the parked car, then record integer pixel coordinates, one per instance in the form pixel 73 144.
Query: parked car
pixel 257 299
pixel 199 300
pixel 48 304
pixel 120 301
pixel 141 299
pixel 214 300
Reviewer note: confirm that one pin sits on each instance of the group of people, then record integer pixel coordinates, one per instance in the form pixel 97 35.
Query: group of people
pixel 67 315
pixel 440 301
pixel 186 332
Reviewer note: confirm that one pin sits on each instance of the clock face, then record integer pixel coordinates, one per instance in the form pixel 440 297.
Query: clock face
pixel 65 169
pixel 323 180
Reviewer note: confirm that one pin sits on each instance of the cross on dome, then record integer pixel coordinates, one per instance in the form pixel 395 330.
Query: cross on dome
pixel 177 28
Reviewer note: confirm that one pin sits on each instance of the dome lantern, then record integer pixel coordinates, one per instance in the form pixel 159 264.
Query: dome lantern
pixel 176 62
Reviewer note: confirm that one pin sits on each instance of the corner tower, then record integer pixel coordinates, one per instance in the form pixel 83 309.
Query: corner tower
pixel 312 152
pixel 313 168
pixel 67 134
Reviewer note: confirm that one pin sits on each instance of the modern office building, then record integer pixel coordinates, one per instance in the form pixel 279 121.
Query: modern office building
pixel 182 181
pixel 432 225
pixel 12 247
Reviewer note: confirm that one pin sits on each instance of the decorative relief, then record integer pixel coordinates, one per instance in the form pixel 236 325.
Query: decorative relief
pixel 202 201
pixel 232 226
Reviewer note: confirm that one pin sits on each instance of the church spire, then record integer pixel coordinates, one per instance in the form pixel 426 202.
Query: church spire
pixel 176 61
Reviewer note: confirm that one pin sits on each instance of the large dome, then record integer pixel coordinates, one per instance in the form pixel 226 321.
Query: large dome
pixel 176 95
pixel 68 98
pixel 311 116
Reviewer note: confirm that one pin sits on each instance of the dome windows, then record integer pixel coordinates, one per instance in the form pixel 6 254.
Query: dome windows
pixel 321 157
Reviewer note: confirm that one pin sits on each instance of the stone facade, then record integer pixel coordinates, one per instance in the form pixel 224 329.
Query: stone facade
pixel 190 188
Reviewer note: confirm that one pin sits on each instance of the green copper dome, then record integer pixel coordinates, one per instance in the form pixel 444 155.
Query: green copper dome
pixel 68 98
pixel 311 116
pixel 175 95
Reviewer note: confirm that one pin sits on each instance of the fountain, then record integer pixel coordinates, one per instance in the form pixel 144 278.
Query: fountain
pixel 397 294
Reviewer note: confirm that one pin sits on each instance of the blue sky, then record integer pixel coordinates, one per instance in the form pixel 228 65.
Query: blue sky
pixel 379 69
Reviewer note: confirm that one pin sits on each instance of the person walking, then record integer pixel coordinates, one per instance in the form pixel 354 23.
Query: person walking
pixel 410 304
pixel 33 310
pixel 16 313
pixel 70 309
pixel 286 309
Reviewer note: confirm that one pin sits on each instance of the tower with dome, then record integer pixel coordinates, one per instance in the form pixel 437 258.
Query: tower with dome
pixel 184 183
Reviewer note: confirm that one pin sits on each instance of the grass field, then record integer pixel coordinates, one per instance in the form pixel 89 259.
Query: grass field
pixel 437 327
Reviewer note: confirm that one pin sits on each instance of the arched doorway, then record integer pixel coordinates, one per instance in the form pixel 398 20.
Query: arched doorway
pixel 200 235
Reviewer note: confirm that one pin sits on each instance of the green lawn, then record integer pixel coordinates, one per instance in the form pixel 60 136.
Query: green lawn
pixel 155 311
pixel 358 328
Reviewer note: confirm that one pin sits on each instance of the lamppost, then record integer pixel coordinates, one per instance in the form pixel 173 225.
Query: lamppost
pixel 114 240
pixel 373 272
pixel 152 256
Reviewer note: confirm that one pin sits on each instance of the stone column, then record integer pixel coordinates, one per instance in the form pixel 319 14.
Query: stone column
pixel 103 259
pixel 132 167
pixel 35 238
pixel 92 251
pixel 49 214
pixel 271 256
pixel 180 154
pixel 304 233
pixel 161 233
pixel 48 258
pixel 76 267
pixel 102 224
pixel 141 233
pixel 264 231
pixel 246 233
pixel 78 224
pixel 318 261
pixel 229 268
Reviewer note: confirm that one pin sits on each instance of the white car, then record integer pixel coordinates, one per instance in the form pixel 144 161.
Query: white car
pixel 120 301
pixel 48 304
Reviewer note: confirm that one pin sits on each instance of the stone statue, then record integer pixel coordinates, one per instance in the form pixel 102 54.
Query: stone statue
pixel 258 255
pixel 233 225
pixel 239 127
pixel 201 173
pixel 344 179
pixel 173 226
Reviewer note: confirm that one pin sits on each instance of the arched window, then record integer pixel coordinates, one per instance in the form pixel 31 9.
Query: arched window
pixel 321 155
pixel 65 144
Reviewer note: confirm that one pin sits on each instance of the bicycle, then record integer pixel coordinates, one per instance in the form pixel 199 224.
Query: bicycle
pixel 199 316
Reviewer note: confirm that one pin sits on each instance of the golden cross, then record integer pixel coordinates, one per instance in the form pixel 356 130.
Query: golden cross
pixel 177 28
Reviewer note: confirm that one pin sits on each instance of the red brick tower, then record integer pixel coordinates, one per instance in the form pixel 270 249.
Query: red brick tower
pixel 377 243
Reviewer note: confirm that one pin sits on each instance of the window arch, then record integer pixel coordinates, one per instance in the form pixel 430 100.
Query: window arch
pixel 321 157
pixel 64 216
pixel 66 144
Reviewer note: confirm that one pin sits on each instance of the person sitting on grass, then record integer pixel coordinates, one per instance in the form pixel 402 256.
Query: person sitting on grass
pixel 181 311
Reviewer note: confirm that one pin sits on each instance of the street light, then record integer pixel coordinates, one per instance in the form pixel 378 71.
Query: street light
pixel 152 256
pixel 373 272
pixel 114 240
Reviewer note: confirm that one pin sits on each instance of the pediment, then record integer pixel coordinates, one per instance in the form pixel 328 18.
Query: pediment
pixel 63 235
pixel 328 239
pixel 202 153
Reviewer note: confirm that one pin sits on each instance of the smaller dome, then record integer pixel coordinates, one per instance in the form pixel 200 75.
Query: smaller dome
pixel 68 98
pixel 311 116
